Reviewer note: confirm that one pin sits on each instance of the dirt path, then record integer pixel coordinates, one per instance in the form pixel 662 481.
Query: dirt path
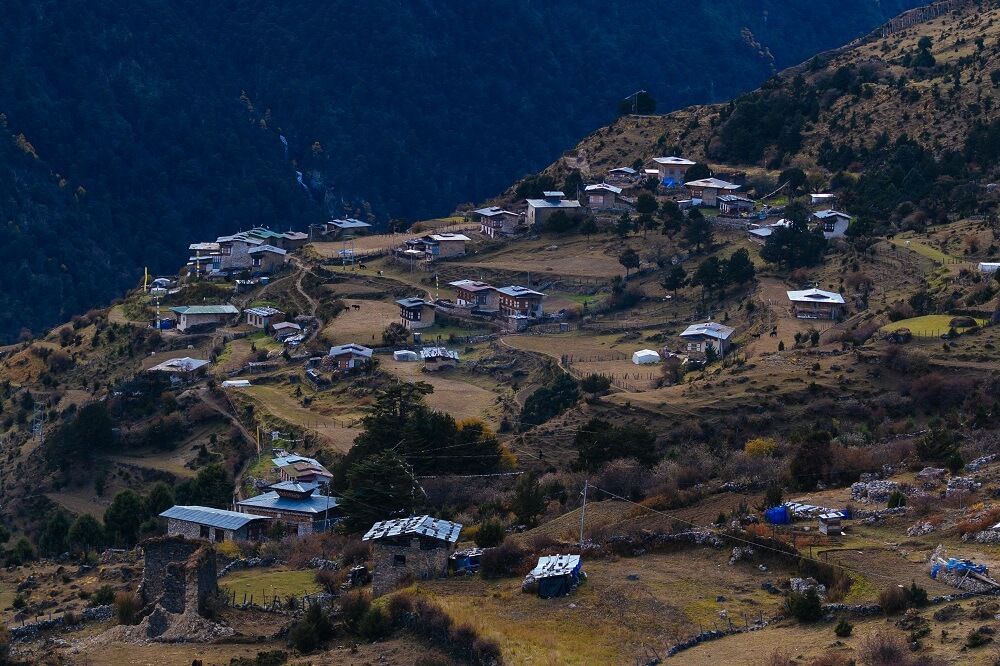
pixel 313 303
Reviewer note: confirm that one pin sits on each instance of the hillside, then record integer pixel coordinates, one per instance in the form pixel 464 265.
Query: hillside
pixel 140 125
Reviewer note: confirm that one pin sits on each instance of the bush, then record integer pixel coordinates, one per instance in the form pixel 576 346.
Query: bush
pixel 70 619
pixel 504 560
pixel 353 606
pixel 843 628
pixel 490 534
pixel 328 579
pixel 976 639
pixel 916 596
pixel 228 548
pixel 805 607
pixel 883 649
pixel 896 499
pixel 374 624
pixel 761 447
pixel 105 595
pixel 127 607
pixel 312 630
pixel 19 602
pixel 893 600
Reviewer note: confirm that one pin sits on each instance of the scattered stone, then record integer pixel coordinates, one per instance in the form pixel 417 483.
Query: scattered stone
pixel 877 491
pixel 800 585
pixel 740 553
pixel 632 576
pixel 978 463
pixel 920 529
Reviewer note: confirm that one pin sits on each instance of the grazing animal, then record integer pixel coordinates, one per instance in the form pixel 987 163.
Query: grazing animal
pixel 355 306
pixel 362 267
pixel 380 273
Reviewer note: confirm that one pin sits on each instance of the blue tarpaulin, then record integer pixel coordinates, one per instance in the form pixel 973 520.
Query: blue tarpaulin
pixel 668 182
pixel 778 516
pixel 959 566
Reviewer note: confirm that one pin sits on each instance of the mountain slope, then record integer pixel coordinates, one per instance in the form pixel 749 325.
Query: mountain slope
pixel 155 124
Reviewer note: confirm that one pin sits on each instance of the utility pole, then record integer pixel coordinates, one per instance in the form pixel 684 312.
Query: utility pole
pixel 583 512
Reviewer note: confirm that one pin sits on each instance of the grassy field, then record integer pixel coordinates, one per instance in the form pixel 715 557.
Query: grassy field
pixel 281 583
pixel 927 326
pixel 454 392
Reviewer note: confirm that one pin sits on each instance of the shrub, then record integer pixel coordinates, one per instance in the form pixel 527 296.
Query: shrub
pixel 504 560
pixel 312 630
pixel 805 607
pixel 228 548
pixel 916 596
pixel 761 447
pixel 893 600
pixel 328 579
pixel 355 552
pixel 490 534
pixel 843 628
pixel 127 607
pixel 882 649
pixel 105 595
pixel 19 602
pixel 976 639
pixel 896 499
pixel 70 619
pixel 353 606
pixel 374 624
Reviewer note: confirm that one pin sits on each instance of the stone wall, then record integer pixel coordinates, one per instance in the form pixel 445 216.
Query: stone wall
pixel 180 574
pixel 420 563
pixel 159 555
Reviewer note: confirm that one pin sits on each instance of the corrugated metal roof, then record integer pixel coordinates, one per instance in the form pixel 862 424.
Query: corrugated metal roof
pixel 349 223
pixel 443 530
pixel 545 203
pixel 710 329
pixel 438 352
pixel 602 187
pixel 351 348
pixel 205 309
pixel 180 365
pixel 673 160
pixel 294 486
pixel 272 500
pixel 815 296
pixel 266 248
pixel 555 565
pixel 292 459
pixel 713 183
pixel 264 311
pixel 519 291
pixel 413 302
pixel 204 515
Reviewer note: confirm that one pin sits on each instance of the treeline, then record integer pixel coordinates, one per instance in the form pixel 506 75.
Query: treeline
pixel 133 128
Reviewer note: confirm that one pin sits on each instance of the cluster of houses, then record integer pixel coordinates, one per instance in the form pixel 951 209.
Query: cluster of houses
pixel 515 305
pixel 258 251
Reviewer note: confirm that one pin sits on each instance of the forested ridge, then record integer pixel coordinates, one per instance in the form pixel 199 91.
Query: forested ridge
pixel 136 127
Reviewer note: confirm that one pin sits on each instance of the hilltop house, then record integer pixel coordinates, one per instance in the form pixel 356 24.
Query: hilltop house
pixel 182 369
pixel 438 358
pixel 214 525
pixel 264 316
pixel 539 210
pixel 602 196
pixel 293 240
pixel 834 224
pixel 495 221
pixel 622 174
pixel 474 294
pixel 348 357
pixel 672 170
pixel 699 338
pixel 406 548
pixel 294 467
pixel 192 318
pixel 295 505
pixel 415 313
pixel 709 189
pixel 761 233
pixel 815 304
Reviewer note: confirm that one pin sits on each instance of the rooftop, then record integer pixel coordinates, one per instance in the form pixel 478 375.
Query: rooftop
pixel 204 515
pixel 291 459
pixel 555 565
pixel 823 214
pixel 413 302
pixel 709 329
pixel 437 352
pixel 349 223
pixel 626 170
pixel 602 187
pixel 180 365
pixel 225 309
pixel 815 296
pixel 266 248
pixel 492 211
pixel 264 311
pixel 449 237
pixel 471 285
pixel 351 348
pixel 673 161
pixel 713 183
pixel 553 194
pixel 519 291
pixel 308 504
pixel 443 530
pixel 547 203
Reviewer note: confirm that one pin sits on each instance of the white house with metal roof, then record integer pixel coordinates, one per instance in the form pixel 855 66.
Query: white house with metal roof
pixel 989 266
pixel 672 170
pixel 295 504
pixel 833 223
pixel 194 316
pixel 815 304
pixel 182 369
pixel 495 221
pixel 699 338
pixel 263 316
pixel 539 210
pixel 407 548
pixel 215 525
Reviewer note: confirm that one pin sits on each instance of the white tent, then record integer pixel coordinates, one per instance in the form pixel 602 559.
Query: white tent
pixel 644 356
pixel 404 355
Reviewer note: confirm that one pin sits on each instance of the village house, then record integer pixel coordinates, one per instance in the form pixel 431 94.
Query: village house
pixel 554 576
pixel 264 316
pixel 539 210
pixel 699 338
pixel 623 175
pixel 516 300
pixel 348 227
pixel 293 240
pixel 602 196
pixel 285 329
pixel 815 304
pixel 438 358
pixel 734 204
pixel 645 357
pixel 295 505
pixel 415 313
pixel 989 266
pixel 434 246
pixel 709 189
pixel 266 259
pixel 294 467
pixel 821 199
pixel 203 257
pixel 474 294
pixel 193 318
pixel 833 223
pixel 760 233
pixel 182 369
pixel 407 548
pixel 346 358
pixel 234 254
pixel 672 170
pixel 214 525
pixel 829 523
pixel 495 221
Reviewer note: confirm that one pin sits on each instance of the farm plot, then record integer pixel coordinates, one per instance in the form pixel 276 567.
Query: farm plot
pixel 452 394
pixel 275 401
pixel 362 325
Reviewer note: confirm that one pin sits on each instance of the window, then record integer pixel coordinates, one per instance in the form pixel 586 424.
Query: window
pixel 203 533
pixel 398 560
pixel 220 535
pixel 256 262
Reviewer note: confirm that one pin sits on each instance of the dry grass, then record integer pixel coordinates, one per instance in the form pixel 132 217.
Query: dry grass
pixel 363 326
pixel 454 391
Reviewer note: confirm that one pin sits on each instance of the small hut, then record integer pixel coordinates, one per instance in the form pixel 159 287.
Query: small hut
pixel 645 357
pixel 829 523
pixel 554 576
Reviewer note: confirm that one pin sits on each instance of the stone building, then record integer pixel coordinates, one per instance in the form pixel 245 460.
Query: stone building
pixel 410 548
pixel 213 525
